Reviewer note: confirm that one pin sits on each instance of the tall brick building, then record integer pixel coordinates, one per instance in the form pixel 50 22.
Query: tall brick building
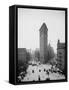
pixel 61 55
pixel 43 43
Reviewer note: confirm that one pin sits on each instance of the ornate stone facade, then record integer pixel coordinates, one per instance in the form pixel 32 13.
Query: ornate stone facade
pixel 43 43
pixel 61 55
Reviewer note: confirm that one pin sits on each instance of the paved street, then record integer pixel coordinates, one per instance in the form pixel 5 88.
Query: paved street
pixel 36 72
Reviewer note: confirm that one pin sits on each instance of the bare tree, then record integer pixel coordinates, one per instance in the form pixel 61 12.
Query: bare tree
pixel 51 53
pixel 37 55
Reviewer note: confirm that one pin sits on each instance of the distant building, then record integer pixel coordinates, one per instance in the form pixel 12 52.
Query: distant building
pixel 61 55
pixel 43 43
pixel 21 55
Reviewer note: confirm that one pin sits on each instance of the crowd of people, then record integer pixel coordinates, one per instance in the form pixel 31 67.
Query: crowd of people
pixel 40 72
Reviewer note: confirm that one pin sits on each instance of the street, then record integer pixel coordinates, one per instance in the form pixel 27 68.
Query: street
pixel 41 72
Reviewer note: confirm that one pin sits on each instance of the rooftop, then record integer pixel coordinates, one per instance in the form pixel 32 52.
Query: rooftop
pixel 43 27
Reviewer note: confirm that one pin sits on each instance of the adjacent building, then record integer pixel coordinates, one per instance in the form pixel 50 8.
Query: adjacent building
pixel 61 55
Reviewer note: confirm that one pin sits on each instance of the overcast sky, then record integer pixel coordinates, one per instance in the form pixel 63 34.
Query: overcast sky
pixel 30 21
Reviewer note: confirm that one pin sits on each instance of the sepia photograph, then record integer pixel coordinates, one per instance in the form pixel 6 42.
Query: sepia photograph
pixel 41 45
